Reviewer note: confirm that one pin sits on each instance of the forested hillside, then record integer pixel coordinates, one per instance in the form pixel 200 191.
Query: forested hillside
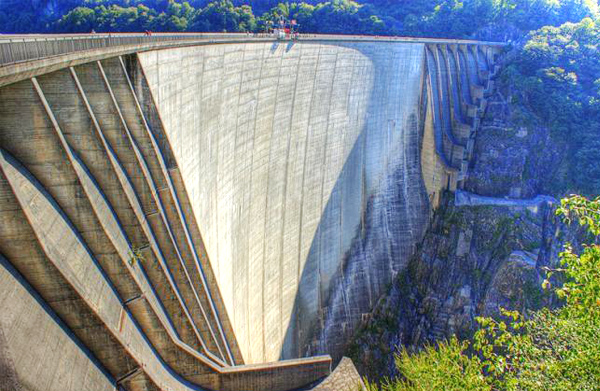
pixel 554 80
pixel 486 19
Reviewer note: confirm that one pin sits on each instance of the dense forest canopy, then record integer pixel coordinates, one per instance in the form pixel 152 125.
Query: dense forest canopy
pixel 487 19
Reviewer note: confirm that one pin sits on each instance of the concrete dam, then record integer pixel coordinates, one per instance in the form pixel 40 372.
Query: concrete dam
pixel 217 211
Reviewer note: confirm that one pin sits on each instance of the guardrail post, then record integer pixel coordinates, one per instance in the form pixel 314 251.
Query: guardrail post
pixel 10 50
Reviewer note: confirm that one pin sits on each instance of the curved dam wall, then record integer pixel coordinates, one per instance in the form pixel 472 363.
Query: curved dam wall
pixel 169 216
pixel 302 163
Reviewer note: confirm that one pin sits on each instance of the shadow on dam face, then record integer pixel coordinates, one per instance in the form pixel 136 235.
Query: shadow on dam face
pixel 391 217
pixel 302 164
pixel 375 214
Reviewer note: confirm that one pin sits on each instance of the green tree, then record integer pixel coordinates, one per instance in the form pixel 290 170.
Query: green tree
pixel 554 77
pixel 446 367
pixel 222 15
pixel 79 20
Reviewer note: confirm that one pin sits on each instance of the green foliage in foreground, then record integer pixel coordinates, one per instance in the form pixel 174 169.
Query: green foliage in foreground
pixel 556 350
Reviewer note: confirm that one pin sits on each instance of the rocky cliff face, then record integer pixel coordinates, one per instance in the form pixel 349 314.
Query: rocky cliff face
pixel 478 255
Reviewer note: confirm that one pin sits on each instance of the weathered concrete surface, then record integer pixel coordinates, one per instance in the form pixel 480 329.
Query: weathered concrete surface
pixel 303 166
pixel 344 378
pixel 30 331
pixel 67 253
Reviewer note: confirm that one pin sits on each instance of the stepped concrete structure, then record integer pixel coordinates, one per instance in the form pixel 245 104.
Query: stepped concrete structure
pixel 211 211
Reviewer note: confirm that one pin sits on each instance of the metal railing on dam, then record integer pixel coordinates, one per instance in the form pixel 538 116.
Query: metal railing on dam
pixel 19 48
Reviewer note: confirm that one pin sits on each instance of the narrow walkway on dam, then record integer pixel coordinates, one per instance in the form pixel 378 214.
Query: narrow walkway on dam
pixel 20 48
pixel 464 198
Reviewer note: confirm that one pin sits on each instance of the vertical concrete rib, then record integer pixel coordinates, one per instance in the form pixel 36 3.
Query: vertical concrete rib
pixel 69 254
pixel 88 189
pixel 323 198
pixel 131 196
pixel 173 192
pixel 444 82
pixel 149 180
pixel 27 133
pixel 472 69
pixel 162 175
pixel 482 62
pixel 294 170
pixel 464 76
pixel 96 200
pixel 305 155
pixel 434 92
pixel 108 219
pixel 283 324
pixel 249 260
pixel 246 103
pixel 276 211
pixel 236 139
pixel 348 145
pixel 301 220
pixel 106 216
pixel 454 84
pixel 61 247
pixel 263 264
pixel 330 232
pixel 186 191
